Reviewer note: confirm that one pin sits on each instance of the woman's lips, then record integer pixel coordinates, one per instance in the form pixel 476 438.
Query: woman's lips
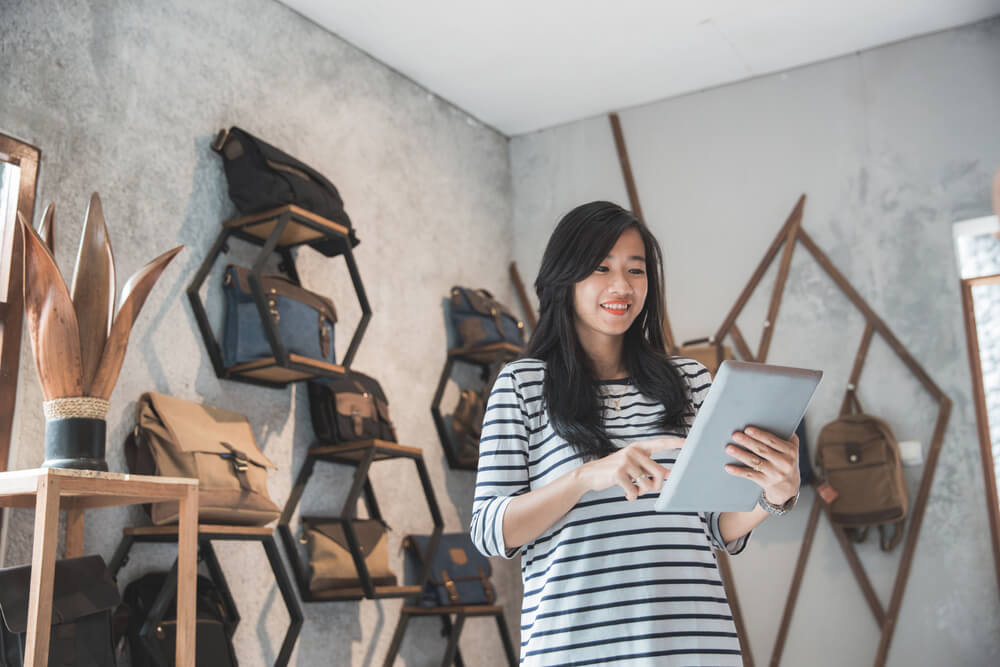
pixel 619 308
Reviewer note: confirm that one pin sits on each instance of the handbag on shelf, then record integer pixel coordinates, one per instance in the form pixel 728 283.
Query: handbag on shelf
pixel 331 564
pixel 178 438
pixel 707 352
pixel 349 409
pixel 479 319
pixel 467 424
pixel 213 625
pixel 83 599
pixel 459 574
pixel 304 320
pixel 261 177
pixel 859 457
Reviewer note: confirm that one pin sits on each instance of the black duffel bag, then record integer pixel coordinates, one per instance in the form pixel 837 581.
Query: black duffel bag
pixel 158 645
pixel 82 602
pixel 261 177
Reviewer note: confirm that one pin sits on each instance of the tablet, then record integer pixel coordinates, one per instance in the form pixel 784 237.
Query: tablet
pixel 772 398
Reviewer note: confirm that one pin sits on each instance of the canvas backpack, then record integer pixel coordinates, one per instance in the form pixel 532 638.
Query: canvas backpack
pixel 859 458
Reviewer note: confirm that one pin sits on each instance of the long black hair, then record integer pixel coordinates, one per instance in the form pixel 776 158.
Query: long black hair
pixel 580 243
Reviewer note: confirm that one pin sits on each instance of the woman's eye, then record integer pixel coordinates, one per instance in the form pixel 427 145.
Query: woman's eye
pixel 636 272
pixel 601 269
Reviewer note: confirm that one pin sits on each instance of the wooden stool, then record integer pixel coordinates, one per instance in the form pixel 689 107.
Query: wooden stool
pixel 206 534
pixel 452 655
pixel 50 489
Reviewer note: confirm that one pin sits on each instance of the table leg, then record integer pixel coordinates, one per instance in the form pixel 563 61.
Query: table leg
pixel 187 572
pixel 74 533
pixel 43 567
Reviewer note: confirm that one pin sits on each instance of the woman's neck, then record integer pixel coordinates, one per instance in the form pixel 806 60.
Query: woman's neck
pixel 605 354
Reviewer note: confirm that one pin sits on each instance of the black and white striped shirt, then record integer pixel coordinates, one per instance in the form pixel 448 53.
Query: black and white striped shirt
pixel 612 582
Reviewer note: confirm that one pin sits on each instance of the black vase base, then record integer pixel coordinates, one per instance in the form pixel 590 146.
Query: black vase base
pixel 77 464
pixel 75 443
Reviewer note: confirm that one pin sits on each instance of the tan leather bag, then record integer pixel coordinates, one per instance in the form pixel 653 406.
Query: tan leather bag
pixel 467 422
pixel 330 560
pixel 706 352
pixel 178 438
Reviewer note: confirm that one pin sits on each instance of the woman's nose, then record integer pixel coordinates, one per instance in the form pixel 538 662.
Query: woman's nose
pixel 620 284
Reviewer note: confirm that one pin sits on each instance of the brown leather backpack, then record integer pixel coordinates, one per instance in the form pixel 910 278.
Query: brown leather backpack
pixel 707 352
pixel 859 457
pixel 467 422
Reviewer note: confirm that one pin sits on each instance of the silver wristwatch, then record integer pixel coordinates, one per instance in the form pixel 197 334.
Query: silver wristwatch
pixel 777 510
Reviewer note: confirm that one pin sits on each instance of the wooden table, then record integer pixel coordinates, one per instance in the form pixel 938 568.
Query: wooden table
pixel 49 490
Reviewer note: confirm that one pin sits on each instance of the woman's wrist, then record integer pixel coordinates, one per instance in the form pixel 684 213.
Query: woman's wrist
pixel 779 498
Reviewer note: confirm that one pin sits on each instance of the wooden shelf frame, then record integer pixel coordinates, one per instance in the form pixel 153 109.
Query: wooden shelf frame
pixel 486 357
pixel 453 630
pixel 360 454
pixel 790 235
pixel 277 231
pixel 207 533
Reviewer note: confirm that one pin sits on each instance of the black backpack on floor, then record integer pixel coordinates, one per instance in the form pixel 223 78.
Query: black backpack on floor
pixel 261 177
pixel 215 626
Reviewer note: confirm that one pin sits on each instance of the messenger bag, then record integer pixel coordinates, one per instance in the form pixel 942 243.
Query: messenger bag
pixel 459 574
pixel 261 177
pixel 304 320
pixel 178 438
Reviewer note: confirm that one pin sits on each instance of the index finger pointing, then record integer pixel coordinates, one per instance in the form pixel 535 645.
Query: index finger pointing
pixel 659 444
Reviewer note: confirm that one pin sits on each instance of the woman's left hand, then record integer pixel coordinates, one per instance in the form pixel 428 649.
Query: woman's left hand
pixel 773 463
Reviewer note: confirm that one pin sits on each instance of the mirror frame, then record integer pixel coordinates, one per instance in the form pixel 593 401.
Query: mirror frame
pixel 982 415
pixel 28 158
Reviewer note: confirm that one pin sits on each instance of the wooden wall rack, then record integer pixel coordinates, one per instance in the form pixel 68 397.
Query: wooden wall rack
pixel 361 455
pixel 486 357
pixel 206 553
pixel 452 656
pixel 278 230
pixel 788 237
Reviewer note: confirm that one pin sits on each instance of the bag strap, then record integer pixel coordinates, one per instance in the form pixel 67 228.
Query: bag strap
pixel 888 544
pixel 850 405
pixel 449 585
pixel 487 586
pixel 240 464
pixel 856 534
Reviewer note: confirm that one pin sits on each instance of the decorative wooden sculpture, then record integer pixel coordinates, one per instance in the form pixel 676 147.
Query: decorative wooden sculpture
pixel 790 234
pixel 77 338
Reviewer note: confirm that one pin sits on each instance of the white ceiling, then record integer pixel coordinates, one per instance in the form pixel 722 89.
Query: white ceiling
pixel 523 65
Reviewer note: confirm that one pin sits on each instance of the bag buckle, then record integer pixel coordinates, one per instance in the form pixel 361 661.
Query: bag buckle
pixel 449 586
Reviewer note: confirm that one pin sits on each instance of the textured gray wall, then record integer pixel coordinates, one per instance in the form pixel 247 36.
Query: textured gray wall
pixel 891 146
pixel 124 98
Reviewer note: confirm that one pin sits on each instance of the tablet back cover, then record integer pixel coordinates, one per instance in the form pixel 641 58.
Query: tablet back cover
pixel 773 398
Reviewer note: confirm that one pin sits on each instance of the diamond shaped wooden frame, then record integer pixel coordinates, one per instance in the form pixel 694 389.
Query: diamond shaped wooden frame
pixel 790 234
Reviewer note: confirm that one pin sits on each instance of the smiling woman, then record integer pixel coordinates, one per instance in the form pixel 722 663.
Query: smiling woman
pixel 577 440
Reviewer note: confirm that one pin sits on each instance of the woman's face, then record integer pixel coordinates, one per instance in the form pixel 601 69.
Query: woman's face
pixel 607 301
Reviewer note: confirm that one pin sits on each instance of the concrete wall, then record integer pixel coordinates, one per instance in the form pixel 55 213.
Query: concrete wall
pixel 124 98
pixel 891 146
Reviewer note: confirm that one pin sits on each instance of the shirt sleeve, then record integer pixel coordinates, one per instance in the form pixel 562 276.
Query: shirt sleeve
pixel 699 381
pixel 503 465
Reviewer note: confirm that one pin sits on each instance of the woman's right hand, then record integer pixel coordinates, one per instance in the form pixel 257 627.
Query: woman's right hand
pixel 631 467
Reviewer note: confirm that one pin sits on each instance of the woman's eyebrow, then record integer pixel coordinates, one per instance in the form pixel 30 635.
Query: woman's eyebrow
pixel 633 258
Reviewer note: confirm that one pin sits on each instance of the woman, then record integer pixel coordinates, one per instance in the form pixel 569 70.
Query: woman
pixel 577 439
